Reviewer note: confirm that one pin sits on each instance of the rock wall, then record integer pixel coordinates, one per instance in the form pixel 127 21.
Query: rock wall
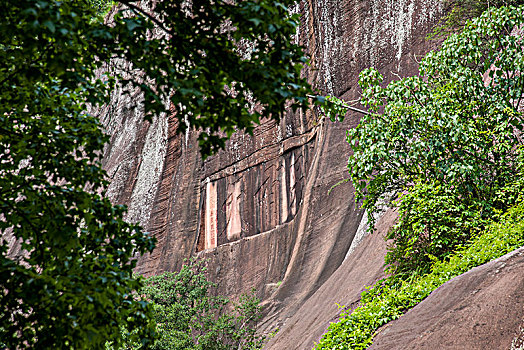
pixel 260 212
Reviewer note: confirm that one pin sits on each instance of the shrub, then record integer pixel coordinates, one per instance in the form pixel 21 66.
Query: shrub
pixel 388 299
pixel 432 219
pixel 188 316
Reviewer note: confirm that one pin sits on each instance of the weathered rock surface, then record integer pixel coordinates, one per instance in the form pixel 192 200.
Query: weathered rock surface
pixel 481 309
pixel 260 211
pixel 344 287
pixel 261 214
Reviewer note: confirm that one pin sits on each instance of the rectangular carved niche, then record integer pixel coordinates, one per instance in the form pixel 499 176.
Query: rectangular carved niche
pixel 254 200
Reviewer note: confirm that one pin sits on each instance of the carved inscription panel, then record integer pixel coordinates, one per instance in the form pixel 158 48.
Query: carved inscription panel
pixel 255 199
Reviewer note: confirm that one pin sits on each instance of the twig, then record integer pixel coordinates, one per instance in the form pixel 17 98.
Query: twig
pixel 136 9
pixel 347 106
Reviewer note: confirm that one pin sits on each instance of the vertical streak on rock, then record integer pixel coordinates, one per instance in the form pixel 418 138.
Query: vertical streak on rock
pixel 211 215
pixel 149 174
pixel 124 121
pixel 234 223
pixel 329 40
pixel 274 219
pixel 392 25
pixel 159 222
pixel 283 203
pixel 292 185
pixel 297 255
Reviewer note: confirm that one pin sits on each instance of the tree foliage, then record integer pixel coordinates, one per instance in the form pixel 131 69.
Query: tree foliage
pixel 190 317
pixel 455 127
pixel 221 64
pixel 433 219
pixel 71 288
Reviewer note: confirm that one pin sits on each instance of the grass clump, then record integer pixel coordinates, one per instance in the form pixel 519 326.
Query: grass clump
pixel 390 298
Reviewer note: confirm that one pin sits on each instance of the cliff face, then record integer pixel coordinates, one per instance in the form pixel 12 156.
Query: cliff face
pixel 276 182
pixel 260 211
pixel 261 214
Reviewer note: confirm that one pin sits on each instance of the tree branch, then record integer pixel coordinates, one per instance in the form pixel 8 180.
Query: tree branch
pixel 348 107
pixel 136 9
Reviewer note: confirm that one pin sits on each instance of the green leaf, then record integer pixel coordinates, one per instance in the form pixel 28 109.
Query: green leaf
pixel 50 25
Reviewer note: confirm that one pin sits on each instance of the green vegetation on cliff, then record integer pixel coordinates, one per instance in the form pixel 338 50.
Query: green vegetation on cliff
pixel 189 317
pixel 446 142
pixel 444 148
pixel 391 298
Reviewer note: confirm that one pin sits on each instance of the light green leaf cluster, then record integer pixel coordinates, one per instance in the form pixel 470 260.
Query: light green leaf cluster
pixel 459 12
pixel 433 219
pixel 454 124
pixel 390 298
pixel 333 108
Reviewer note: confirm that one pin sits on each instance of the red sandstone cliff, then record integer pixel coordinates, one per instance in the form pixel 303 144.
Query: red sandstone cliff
pixel 260 211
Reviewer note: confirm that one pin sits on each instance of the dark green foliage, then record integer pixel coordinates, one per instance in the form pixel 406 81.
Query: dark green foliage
pixel 432 220
pixel 451 129
pixel 73 287
pixel 222 65
pixel 189 317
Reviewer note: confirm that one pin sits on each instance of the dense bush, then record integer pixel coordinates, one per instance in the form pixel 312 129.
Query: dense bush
pixel 432 218
pixel 189 316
